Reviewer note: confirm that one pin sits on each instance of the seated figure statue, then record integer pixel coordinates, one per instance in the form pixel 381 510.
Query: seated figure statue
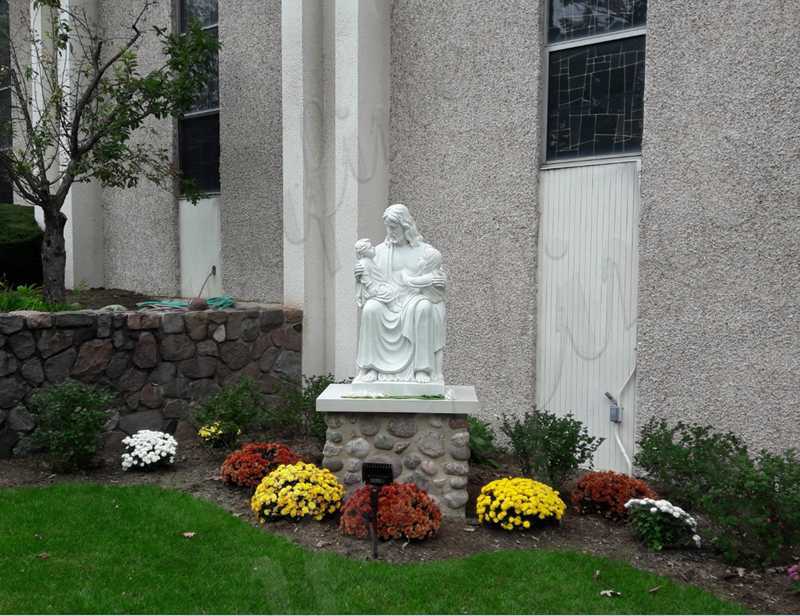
pixel 401 291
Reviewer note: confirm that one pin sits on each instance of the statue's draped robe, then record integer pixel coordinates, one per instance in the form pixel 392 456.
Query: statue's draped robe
pixel 401 337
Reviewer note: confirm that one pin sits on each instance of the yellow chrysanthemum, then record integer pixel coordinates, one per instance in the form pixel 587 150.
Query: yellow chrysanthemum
pixel 516 502
pixel 296 491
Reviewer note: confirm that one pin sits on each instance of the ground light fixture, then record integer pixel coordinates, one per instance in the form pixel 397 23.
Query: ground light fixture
pixel 375 475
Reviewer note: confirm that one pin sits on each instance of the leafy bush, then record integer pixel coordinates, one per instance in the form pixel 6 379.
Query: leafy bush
pixel 548 446
pixel 482 447
pixel 20 245
pixel 752 503
pixel 296 491
pixel 229 412
pixel 148 450
pixel 70 419
pixel 27 298
pixel 684 461
pixel 247 466
pixel 607 492
pixel 296 411
pixel 659 524
pixel 754 510
pixel 518 503
pixel 404 512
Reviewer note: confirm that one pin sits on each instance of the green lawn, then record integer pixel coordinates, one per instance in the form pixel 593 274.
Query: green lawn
pixel 17 224
pixel 79 549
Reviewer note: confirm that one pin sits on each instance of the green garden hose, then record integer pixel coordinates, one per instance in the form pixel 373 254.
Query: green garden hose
pixel 215 303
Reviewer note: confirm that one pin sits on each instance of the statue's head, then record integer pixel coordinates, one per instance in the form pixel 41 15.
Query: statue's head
pixel 399 223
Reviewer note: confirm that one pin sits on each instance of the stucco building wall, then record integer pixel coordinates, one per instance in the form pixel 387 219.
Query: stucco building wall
pixel 251 149
pixel 464 154
pixel 141 223
pixel 719 341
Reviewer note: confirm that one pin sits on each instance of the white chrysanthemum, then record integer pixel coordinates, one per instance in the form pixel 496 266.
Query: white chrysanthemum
pixel 148 448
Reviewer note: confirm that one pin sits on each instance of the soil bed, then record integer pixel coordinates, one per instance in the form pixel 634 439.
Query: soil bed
pixel 197 472
pixel 94 299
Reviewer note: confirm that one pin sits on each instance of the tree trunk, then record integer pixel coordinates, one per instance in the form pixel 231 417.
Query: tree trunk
pixel 54 256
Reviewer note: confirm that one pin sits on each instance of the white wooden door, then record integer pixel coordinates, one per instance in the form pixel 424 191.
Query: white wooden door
pixel 587 294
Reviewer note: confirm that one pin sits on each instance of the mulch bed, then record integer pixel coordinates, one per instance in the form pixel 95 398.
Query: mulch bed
pixel 197 472
pixel 94 299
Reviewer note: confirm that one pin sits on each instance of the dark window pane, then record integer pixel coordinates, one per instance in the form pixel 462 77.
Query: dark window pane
pixel 204 11
pixel 199 150
pixel 575 18
pixel 595 99
pixel 209 98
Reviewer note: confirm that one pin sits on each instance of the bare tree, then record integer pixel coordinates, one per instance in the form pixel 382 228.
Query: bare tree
pixel 77 98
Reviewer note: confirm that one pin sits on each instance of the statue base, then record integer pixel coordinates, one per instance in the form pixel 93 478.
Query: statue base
pixel 398 388
pixel 426 441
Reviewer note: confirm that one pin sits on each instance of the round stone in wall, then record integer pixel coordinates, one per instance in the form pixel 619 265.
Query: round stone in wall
pixel 412 461
pixel 352 465
pixel 331 450
pixel 384 441
pixel 459 453
pixel 369 426
pixel 432 444
pixel 458 483
pixel 358 448
pixel 456 500
pixel 429 467
pixel 333 464
pixel 403 427
pixel 456 468
pixel 460 439
pixel 333 436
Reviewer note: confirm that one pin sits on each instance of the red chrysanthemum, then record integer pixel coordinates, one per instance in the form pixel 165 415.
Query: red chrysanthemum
pixel 404 512
pixel 247 466
pixel 607 492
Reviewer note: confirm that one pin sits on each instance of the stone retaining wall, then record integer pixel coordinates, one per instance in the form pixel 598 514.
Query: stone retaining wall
pixel 429 450
pixel 159 363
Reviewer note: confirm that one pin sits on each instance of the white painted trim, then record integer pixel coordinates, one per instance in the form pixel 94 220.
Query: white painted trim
pixel 596 39
pixel 460 399
pixel 610 159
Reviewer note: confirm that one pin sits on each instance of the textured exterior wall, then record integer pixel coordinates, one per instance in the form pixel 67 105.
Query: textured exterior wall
pixel 719 341
pixel 252 149
pixel 158 364
pixel 141 224
pixel 465 142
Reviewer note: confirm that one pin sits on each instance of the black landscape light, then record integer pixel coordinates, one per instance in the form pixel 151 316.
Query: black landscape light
pixel 375 475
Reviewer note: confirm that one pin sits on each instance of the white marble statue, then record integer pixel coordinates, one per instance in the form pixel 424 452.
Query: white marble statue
pixel 400 288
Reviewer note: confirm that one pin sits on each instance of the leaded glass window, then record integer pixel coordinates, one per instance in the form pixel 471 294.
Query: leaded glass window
pixel 595 84
pixel 595 98
pixel 198 130
pixel 569 19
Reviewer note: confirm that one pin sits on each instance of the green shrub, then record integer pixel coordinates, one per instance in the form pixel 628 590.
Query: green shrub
pixel 27 297
pixel 232 410
pixel 296 410
pixel 70 419
pixel 684 461
pixel 752 504
pixel 20 245
pixel 548 447
pixel 482 447
pixel 754 508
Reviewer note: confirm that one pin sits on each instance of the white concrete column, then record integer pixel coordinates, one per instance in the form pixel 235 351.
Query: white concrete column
pixel 336 124
pixel 83 208
pixel 361 165
pixel 304 173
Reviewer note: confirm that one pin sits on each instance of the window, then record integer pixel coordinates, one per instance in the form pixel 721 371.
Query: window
pixel 198 130
pixel 595 81
pixel 6 192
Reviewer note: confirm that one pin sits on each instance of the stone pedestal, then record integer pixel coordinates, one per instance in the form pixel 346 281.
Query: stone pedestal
pixel 425 441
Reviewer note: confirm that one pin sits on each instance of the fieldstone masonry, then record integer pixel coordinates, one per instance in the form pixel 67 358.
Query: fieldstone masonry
pixel 430 450
pixel 159 363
